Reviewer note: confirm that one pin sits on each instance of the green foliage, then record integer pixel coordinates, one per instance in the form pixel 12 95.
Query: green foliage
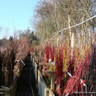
pixel 33 39
pixel 3 41
pixel 31 36
pixel 11 38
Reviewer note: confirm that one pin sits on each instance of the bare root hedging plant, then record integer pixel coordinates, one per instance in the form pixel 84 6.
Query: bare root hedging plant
pixel 23 49
pixel 8 62
pixel 37 52
pixel 11 58
pixel 91 77
pixel 59 71
pixel 1 73
pixel 70 70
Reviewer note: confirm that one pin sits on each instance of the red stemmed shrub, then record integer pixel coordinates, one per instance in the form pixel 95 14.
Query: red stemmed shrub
pixel 77 81
pixel 59 72
pixel 47 50
pixel 71 65
pixel 52 53
pixel 73 82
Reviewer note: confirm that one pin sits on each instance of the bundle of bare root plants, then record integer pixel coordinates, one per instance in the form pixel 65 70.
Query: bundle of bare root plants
pixel 38 53
pixel 91 77
pixel 7 64
pixel 22 52
pixel 11 60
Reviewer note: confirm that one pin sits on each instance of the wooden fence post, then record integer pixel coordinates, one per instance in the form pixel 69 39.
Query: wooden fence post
pixel 71 36
pixel 47 92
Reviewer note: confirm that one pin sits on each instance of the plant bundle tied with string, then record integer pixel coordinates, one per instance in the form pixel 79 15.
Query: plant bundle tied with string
pixel 38 53
pixel 65 57
pixel 52 52
pixel 91 77
pixel 47 50
pixel 8 62
pixel 22 52
pixel 59 71
pixel 1 73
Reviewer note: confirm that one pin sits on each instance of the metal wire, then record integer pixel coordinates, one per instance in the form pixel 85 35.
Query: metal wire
pixel 73 26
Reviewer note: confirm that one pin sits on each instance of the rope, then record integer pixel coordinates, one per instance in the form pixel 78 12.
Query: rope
pixel 73 26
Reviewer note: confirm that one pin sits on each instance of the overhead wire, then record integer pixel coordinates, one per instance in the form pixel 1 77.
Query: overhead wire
pixel 64 29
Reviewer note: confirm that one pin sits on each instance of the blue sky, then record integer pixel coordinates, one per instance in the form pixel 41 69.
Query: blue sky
pixel 16 14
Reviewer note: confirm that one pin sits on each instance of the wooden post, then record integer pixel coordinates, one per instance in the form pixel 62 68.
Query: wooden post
pixel 39 74
pixel 43 69
pixel 83 34
pixel 71 36
pixel 47 92
pixel 72 40
pixel 52 74
pixel 52 82
pixel 69 26
pixel 90 36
